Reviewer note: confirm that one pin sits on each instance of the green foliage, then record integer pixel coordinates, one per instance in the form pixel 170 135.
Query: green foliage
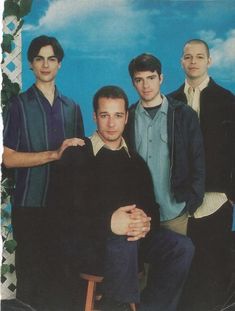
pixel 11 7
pixel 24 7
pixel 18 27
pixel 10 246
pixel 18 8
pixel 9 89
pixel 5 269
pixel 7 185
pixel 7 40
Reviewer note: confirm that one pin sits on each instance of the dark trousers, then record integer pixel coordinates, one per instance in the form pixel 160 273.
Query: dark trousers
pixel 31 256
pixel 209 277
pixel 169 256
pixel 42 274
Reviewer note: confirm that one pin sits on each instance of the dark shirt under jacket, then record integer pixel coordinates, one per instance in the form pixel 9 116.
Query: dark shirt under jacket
pixel 85 190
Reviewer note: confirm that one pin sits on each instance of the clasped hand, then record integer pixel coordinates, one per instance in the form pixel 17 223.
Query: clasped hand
pixel 131 221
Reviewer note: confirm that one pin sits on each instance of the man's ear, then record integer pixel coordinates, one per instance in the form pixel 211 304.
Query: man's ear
pixel 161 78
pixel 59 65
pixel 209 62
pixel 127 116
pixel 94 117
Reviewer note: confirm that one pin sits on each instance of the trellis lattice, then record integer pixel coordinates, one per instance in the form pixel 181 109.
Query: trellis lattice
pixel 8 280
pixel 12 67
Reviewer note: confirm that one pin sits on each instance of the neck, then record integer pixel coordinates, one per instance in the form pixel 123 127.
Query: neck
pixel 156 101
pixel 48 90
pixel 113 145
pixel 195 82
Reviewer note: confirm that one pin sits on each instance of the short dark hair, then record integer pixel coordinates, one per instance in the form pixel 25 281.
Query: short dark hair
pixel 41 41
pixel 109 91
pixel 201 42
pixel 144 62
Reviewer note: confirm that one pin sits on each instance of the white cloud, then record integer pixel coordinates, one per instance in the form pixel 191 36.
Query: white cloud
pixel 222 53
pixel 59 13
pixel 96 26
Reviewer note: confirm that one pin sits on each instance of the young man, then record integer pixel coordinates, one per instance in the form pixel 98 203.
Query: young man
pixel 166 134
pixel 210 227
pixel 40 124
pixel 107 196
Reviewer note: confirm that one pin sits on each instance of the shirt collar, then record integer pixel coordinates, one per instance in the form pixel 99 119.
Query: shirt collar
pixel 163 108
pixel 97 144
pixel 57 94
pixel 200 87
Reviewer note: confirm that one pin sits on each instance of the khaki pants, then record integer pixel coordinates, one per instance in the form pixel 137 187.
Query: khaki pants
pixel 178 224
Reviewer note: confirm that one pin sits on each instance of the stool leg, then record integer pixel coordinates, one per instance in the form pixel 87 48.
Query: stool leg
pixel 89 306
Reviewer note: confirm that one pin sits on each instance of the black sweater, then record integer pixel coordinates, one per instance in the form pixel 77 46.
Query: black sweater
pixel 85 190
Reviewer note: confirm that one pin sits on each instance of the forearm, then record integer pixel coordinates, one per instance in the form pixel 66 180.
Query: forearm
pixel 13 159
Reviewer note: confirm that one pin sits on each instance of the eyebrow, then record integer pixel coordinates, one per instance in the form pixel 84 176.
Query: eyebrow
pixel 152 75
pixel 189 54
pixel 40 56
pixel 119 112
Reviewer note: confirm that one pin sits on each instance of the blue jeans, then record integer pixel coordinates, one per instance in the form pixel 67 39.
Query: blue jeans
pixel 169 256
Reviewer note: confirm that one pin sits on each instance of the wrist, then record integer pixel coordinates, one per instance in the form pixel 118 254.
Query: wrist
pixel 52 155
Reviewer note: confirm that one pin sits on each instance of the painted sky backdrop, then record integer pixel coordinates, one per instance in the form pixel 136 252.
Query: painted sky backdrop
pixel 100 37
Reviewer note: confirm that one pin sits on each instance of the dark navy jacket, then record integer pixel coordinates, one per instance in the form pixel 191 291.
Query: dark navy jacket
pixel 217 121
pixel 187 171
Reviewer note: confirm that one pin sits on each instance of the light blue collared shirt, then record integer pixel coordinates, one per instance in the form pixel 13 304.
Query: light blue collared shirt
pixel 152 144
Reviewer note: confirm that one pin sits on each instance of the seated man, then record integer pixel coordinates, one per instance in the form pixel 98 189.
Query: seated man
pixel 108 219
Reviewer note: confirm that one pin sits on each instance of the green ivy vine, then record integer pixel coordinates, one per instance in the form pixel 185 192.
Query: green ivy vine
pixel 17 8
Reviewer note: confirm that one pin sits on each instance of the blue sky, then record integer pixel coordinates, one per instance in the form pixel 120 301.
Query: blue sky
pixel 100 37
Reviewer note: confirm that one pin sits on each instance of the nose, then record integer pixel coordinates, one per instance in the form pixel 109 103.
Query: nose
pixel 111 122
pixel 193 60
pixel 45 63
pixel 145 83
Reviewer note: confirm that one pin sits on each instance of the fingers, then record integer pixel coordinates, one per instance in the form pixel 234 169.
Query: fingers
pixel 68 143
pixel 127 208
pixel 73 142
pixel 141 220
pixel 78 142
pixel 139 232
pixel 138 211
pixel 137 224
pixel 136 237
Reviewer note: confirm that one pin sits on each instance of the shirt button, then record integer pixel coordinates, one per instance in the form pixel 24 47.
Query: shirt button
pixel 150 157
pixel 150 140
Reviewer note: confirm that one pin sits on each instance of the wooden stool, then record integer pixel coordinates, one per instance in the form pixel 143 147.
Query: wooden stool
pixel 91 291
